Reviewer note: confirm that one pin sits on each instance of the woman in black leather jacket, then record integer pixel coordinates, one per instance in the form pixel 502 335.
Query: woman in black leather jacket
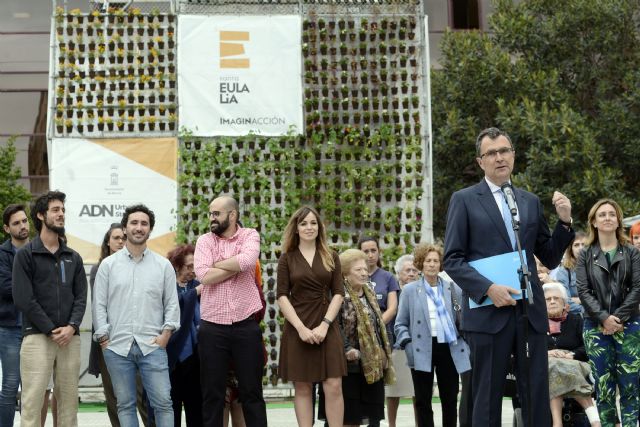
pixel 608 280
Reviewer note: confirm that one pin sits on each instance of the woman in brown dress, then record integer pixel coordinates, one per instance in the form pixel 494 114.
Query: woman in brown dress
pixel 310 294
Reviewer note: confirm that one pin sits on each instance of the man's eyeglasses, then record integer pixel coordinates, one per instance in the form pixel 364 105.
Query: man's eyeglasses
pixel 216 214
pixel 492 154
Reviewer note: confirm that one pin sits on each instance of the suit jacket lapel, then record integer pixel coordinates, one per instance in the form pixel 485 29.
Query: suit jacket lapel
pixel 488 203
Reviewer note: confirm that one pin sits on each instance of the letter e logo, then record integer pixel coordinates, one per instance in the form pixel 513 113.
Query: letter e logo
pixel 230 45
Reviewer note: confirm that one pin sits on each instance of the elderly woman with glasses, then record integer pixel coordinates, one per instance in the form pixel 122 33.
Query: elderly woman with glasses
pixel 568 367
pixel 182 350
pixel 407 273
pixel 366 346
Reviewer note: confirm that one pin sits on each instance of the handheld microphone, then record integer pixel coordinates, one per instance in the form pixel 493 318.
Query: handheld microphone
pixel 509 197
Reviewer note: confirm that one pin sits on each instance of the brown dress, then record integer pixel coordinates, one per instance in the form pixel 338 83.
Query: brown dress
pixel 310 290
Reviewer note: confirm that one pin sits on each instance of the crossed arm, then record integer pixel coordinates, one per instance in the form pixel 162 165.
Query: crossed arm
pixel 211 272
pixel 221 271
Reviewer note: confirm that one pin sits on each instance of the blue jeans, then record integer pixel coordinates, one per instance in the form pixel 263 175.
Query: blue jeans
pixel 154 371
pixel 11 338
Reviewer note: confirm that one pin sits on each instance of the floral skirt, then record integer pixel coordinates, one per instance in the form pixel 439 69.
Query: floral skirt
pixel 569 378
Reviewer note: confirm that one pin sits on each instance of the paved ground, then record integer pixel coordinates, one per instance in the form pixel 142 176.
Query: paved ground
pixel 285 417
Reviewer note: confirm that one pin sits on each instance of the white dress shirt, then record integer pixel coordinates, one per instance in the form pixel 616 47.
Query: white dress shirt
pixel 498 196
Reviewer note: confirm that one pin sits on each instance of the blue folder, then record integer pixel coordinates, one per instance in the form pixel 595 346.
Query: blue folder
pixel 501 270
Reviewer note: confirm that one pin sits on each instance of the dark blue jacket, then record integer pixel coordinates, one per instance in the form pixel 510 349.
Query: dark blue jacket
pixel 9 313
pixel 189 322
pixel 476 230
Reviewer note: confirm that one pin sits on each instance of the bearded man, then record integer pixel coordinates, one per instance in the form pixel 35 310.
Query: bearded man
pixel 50 289
pixel 225 261
pixel 135 311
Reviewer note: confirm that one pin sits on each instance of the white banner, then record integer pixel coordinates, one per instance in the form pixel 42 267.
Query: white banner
pixel 240 74
pixel 102 177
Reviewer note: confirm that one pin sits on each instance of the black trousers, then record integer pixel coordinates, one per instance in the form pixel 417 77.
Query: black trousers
pixel 219 345
pixel 465 412
pixel 491 362
pixel 185 390
pixel 447 375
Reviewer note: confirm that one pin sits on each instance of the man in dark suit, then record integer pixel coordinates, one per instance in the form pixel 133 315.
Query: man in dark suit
pixel 476 229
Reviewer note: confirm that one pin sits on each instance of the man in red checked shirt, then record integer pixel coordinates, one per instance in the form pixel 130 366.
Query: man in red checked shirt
pixel 225 262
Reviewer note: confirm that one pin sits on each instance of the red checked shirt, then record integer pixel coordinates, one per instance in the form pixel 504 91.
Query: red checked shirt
pixel 236 298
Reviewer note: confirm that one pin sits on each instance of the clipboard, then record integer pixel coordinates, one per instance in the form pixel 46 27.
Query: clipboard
pixel 501 269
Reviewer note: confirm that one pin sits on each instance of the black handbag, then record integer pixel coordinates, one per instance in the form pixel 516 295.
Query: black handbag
pixel 457 308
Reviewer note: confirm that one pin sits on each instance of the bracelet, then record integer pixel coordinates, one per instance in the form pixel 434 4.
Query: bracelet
pixel 327 321
pixel 567 224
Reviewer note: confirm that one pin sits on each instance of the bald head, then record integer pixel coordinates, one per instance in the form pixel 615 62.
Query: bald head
pixel 223 216
pixel 228 202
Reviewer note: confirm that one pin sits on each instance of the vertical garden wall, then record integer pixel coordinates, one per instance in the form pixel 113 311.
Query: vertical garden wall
pixel 115 73
pixel 362 158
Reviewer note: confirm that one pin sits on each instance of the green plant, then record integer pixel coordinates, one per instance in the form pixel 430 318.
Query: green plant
pixel 319 169
pixel 10 190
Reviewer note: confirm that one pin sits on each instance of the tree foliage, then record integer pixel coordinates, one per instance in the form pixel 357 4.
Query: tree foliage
pixel 10 190
pixel 563 82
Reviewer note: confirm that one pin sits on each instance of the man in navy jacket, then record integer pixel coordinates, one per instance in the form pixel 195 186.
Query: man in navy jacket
pixel 16 225
pixel 476 229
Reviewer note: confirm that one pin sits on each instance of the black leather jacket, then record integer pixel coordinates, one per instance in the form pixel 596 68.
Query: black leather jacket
pixel 609 290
